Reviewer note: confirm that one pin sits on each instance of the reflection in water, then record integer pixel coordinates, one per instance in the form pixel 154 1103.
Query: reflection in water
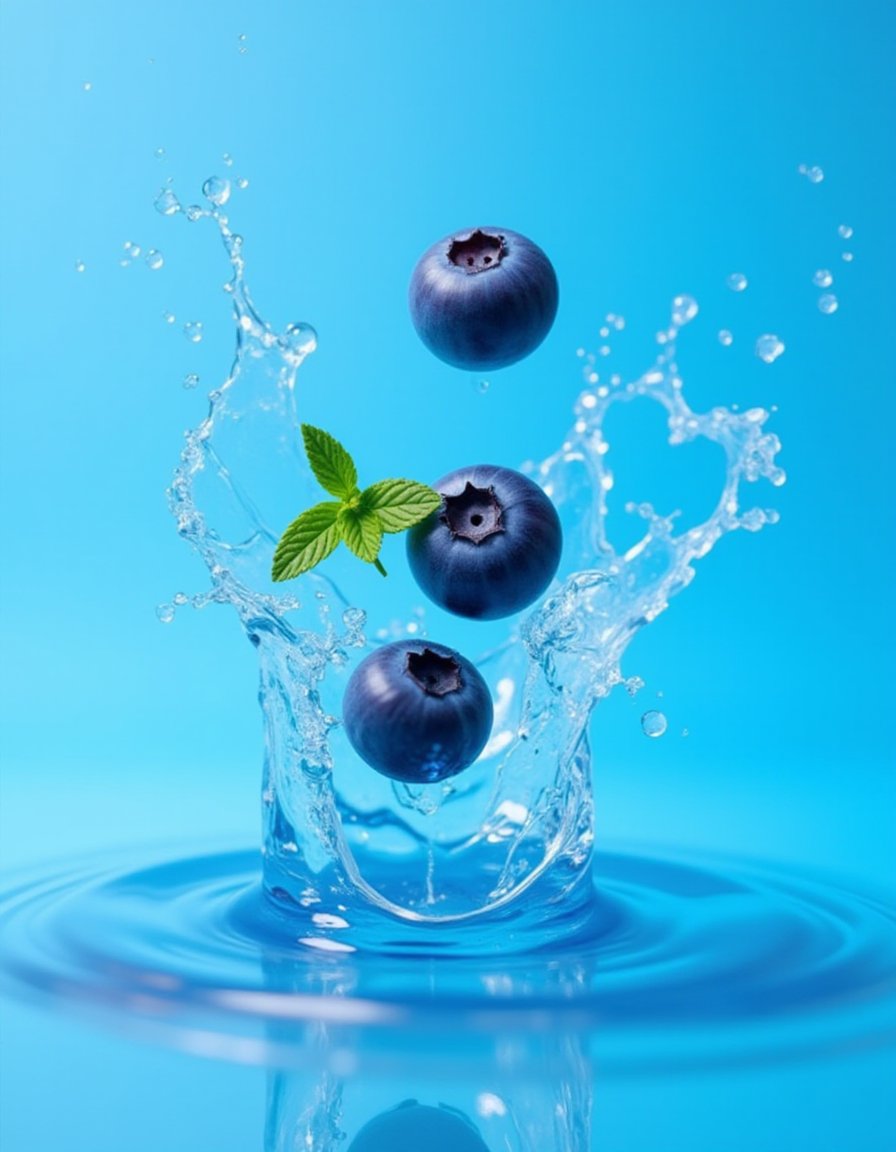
pixel 516 1093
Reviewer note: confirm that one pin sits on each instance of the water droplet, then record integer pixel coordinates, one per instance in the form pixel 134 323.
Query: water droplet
pixel 685 732
pixel 298 341
pixel 619 323
pixel 737 282
pixel 654 724
pixel 159 153
pixel 80 266
pixel 154 259
pixel 769 348
pixel 823 278
pixel 194 212
pixel 191 380
pixel 828 303
pixel 725 338
pixel 169 317
pixel 845 231
pixel 604 332
pixel 802 169
pixel 193 331
pixel 684 309
pixel 481 386
pixel 815 175
pixel 242 183
pixel 243 46
pixel 847 256
pixel 217 190
pixel 228 159
pixel 604 349
pixel 167 203
pixel 87 86
pixel 132 250
pixel 165 613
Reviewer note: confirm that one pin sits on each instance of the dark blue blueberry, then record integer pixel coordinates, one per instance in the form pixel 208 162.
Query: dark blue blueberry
pixel 413 1127
pixel 417 711
pixel 492 548
pixel 483 298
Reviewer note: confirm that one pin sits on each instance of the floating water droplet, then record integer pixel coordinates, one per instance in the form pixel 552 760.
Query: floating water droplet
pixel 815 175
pixel 604 332
pixel 605 349
pixel 654 724
pixel 191 380
pixel 481 386
pixel 165 613
pixel 298 339
pixel 194 212
pixel 845 231
pixel 725 338
pixel 132 250
pixel 169 317
pixel 217 190
pixel 80 266
pixel 243 46
pixel 828 303
pixel 227 159
pixel 618 323
pixel 802 169
pixel 242 183
pixel 87 86
pixel 847 256
pixel 685 732
pixel 823 278
pixel 684 309
pixel 167 203
pixel 159 153
pixel 769 348
pixel 193 331
pixel 737 282
pixel 154 259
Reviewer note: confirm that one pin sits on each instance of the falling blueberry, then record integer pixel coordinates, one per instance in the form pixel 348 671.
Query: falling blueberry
pixel 415 1127
pixel 483 298
pixel 492 548
pixel 417 711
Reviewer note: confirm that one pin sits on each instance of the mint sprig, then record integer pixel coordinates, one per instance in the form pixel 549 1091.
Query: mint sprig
pixel 357 518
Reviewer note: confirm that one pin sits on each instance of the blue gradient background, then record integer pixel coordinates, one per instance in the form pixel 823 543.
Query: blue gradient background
pixel 651 149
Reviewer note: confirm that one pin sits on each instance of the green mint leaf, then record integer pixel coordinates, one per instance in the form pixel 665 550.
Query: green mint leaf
pixel 307 541
pixel 399 504
pixel 332 466
pixel 362 532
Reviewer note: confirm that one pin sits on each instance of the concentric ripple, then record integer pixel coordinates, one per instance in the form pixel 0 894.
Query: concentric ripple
pixel 680 962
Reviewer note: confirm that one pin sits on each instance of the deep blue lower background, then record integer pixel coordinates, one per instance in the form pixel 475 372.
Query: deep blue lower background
pixel 650 149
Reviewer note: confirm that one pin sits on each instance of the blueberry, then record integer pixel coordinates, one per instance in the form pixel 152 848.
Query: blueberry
pixel 492 548
pixel 483 298
pixel 417 711
pixel 413 1127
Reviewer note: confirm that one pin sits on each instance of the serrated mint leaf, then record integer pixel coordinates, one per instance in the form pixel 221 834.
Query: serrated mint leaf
pixel 362 532
pixel 308 540
pixel 332 466
pixel 399 504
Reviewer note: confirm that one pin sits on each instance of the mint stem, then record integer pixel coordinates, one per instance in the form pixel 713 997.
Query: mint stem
pixel 382 571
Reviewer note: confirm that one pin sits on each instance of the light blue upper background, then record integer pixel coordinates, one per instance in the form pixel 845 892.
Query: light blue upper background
pixel 650 149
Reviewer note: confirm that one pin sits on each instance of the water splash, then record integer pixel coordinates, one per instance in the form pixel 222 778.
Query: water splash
pixel 521 820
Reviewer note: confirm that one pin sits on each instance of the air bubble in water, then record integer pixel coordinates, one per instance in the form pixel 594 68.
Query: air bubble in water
pixel 726 338
pixel 654 724
pixel 769 348
pixel 154 259
pixel 242 43
pixel 847 256
pixel 828 303
pixel 87 86
pixel 191 380
pixel 167 203
pixel 159 153
pixel 216 190
pixel 193 331
pixel 815 175
pixel 228 159
pixel 737 282
pixel 165 613
pixel 80 266
pixel 169 317
pixel 845 231
pixel 242 183
pixel 132 250
pixel 479 385
pixel 194 212
pixel 823 278
pixel 684 309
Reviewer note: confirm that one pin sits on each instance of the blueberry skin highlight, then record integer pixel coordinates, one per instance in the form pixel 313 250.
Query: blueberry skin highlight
pixel 418 1128
pixel 417 711
pixel 483 298
pixel 492 548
